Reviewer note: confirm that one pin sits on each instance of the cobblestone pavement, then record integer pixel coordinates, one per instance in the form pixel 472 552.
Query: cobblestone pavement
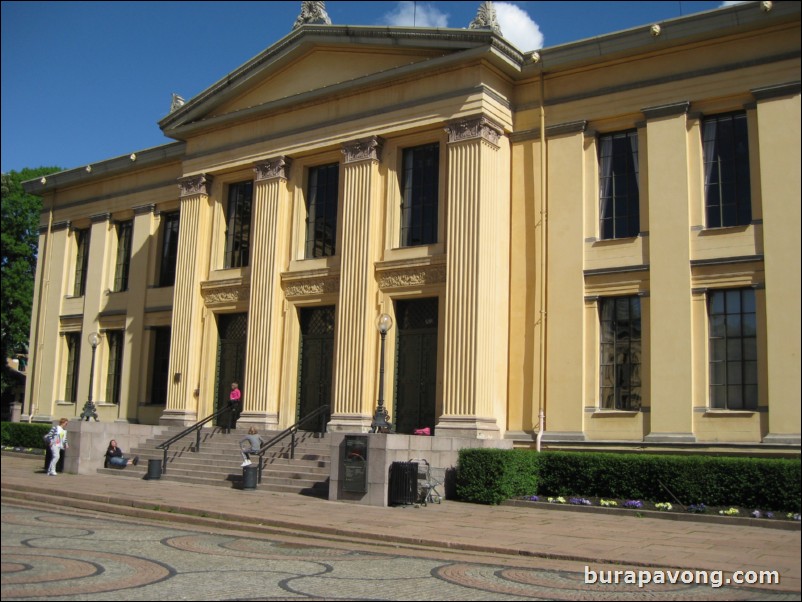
pixel 68 554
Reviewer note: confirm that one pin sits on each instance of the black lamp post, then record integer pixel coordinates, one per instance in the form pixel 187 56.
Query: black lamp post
pixel 94 339
pixel 380 423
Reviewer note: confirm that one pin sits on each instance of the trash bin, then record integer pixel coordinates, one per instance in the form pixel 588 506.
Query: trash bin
pixel 403 484
pixel 154 470
pixel 250 476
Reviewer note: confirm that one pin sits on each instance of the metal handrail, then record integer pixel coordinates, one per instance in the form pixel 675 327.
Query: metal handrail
pixel 195 427
pixel 322 411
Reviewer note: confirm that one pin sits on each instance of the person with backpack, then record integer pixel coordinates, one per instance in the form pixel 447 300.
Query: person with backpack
pixel 57 441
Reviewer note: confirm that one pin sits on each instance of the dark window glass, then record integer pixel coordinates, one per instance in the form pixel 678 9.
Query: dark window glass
pixel 169 255
pixel 321 210
pixel 733 349
pixel 115 371
pixel 238 224
pixel 420 177
pixel 73 340
pixel 728 194
pixel 81 262
pixel 619 185
pixel 161 361
pixel 123 266
pixel 620 354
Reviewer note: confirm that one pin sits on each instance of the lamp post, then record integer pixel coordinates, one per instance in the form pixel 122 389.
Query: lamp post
pixel 380 423
pixel 94 339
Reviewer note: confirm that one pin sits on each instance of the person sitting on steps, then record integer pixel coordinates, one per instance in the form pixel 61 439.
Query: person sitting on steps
pixel 254 442
pixel 115 458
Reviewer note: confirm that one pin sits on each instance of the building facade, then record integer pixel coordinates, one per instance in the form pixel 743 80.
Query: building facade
pixel 593 244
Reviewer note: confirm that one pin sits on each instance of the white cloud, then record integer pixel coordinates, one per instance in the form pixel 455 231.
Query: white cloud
pixel 518 27
pixel 418 14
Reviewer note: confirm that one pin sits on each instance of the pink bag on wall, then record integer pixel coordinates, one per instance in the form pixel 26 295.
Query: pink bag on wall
pixel 423 431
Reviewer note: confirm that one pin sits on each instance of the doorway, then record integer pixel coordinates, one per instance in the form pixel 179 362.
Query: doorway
pixel 232 331
pixel 315 359
pixel 416 365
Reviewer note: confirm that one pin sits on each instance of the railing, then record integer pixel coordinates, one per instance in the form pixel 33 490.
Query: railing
pixel 195 427
pixel 322 413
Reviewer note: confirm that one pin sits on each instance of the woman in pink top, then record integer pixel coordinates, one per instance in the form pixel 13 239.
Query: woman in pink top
pixel 235 399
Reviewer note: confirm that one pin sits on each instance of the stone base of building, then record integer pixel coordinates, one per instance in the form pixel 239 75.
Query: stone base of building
pixel 670 438
pixel 178 418
pixel 349 423
pixel 263 421
pixel 467 427
pixel 783 439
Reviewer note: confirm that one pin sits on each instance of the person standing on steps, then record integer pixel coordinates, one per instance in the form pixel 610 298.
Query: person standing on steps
pixel 235 399
pixel 254 442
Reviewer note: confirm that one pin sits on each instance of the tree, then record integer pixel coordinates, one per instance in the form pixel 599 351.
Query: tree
pixel 20 238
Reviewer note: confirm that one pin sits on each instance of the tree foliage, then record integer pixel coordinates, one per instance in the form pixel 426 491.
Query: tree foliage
pixel 20 238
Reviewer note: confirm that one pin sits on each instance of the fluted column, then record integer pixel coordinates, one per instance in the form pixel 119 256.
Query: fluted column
pixel 265 324
pixel 475 321
pixel 187 326
pixel 357 338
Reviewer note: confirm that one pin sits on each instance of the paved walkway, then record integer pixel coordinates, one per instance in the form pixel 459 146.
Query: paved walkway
pixel 542 537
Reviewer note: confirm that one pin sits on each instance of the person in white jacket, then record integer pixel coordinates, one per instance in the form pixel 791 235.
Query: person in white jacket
pixel 58 441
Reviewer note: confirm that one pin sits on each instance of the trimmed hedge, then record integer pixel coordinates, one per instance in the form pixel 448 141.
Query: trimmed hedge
pixel 714 481
pixel 490 476
pixel 24 434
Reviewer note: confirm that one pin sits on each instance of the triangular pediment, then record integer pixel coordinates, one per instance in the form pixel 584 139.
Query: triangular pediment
pixel 321 60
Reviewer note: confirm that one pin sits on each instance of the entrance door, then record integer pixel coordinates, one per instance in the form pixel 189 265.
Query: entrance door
pixel 416 365
pixel 232 330
pixel 315 360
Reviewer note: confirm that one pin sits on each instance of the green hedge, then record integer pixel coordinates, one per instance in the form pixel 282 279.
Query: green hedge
pixel 490 476
pixel 24 434
pixel 768 483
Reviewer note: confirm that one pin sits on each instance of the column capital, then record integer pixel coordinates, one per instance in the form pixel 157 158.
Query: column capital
pixel 276 167
pixel 471 128
pixel 192 185
pixel 364 149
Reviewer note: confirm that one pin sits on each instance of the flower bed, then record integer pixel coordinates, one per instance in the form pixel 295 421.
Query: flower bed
pixel 674 510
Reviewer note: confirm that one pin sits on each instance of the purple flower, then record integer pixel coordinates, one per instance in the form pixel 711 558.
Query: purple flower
pixel 633 504
pixel 533 498
pixel 579 501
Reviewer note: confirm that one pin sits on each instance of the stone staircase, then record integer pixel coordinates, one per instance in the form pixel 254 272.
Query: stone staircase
pixel 218 461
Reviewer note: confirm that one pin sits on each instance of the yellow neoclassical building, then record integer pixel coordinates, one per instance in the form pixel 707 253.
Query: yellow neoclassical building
pixel 592 245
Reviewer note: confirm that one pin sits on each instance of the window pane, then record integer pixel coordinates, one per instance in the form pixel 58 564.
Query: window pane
pixel 420 195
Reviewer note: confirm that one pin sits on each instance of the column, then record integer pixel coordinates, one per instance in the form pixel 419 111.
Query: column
pixel 356 346
pixel 187 325
pixel 476 314
pixel 265 325
pixel 670 320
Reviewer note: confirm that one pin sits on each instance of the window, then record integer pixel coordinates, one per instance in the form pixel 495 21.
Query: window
pixel 123 265
pixel 420 195
pixel 321 211
pixel 169 250
pixel 238 223
pixel 161 361
pixel 81 262
pixel 114 374
pixel 733 349
pixel 619 185
pixel 728 195
pixel 73 341
pixel 620 362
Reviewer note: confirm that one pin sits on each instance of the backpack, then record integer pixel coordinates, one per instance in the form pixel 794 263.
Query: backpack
pixel 52 436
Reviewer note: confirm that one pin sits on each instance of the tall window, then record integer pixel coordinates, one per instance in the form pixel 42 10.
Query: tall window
pixel 114 374
pixel 73 341
pixel 728 195
pixel 161 360
pixel 733 349
pixel 238 223
pixel 321 211
pixel 620 361
pixel 123 265
pixel 81 262
pixel 619 185
pixel 420 178
pixel 169 254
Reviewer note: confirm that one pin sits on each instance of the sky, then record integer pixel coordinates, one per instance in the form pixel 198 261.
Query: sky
pixel 83 82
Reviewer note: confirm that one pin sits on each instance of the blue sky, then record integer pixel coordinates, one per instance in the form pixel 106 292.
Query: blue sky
pixel 87 81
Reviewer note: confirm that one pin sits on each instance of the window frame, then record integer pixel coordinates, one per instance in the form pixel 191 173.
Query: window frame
pixel 612 344
pixel 733 357
pixel 727 179
pixel 419 188
pixel 116 343
pixel 159 363
pixel 319 197
pixel 619 212
pixel 125 232
pixel 72 340
pixel 168 261
pixel 82 240
pixel 238 225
